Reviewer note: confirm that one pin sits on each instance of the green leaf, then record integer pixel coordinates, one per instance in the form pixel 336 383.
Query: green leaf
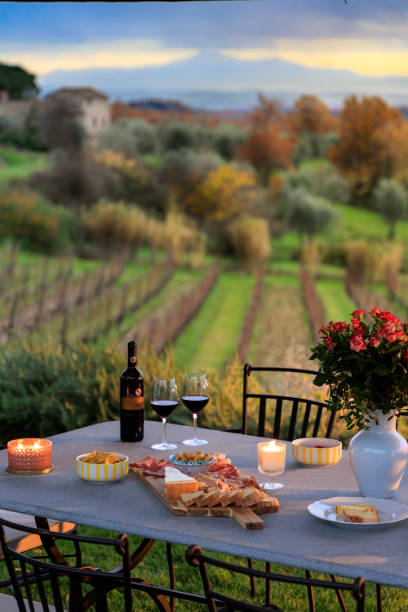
pixel 381 370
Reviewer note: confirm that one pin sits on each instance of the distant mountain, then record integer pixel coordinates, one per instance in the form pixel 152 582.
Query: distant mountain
pixel 158 104
pixel 214 81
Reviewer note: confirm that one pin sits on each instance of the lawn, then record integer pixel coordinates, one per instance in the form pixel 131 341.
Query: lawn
pixel 337 303
pixel 212 337
pixel 288 597
pixel 20 164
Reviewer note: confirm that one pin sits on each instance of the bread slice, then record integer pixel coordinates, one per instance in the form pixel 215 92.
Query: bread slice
pixel 248 497
pixel 191 499
pixel 270 503
pixel 361 516
pixel 230 498
pixel 208 498
pixel 340 509
pixel 215 499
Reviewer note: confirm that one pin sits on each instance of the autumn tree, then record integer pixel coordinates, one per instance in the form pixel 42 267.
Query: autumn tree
pixel 368 130
pixel 269 145
pixel 224 193
pixel 311 115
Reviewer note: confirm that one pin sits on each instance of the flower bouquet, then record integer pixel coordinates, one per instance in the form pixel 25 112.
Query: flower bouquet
pixel 365 365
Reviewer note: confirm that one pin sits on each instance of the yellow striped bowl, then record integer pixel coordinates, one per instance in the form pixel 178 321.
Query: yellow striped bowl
pixel 101 473
pixel 309 451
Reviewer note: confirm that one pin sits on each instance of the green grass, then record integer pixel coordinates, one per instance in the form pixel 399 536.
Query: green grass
pixel 352 223
pixel 212 337
pixel 154 569
pixel 20 164
pixel 336 302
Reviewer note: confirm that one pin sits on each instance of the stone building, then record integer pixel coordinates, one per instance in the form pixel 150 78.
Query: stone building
pixel 93 107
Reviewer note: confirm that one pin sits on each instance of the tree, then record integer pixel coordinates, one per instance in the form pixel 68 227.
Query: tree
pixel 368 131
pixel 311 116
pixel 131 136
pixel 269 146
pixel 18 82
pixel 267 150
pixel 391 201
pixel 307 214
pixel 223 194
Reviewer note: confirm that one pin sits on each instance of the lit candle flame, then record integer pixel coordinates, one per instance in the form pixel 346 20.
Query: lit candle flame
pixel 36 445
pixel 272 444
pixel 20 446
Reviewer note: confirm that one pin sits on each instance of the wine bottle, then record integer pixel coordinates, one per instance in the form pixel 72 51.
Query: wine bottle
pixel 131 399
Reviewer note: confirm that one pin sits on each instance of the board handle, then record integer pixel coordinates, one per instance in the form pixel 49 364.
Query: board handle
pixel 247 518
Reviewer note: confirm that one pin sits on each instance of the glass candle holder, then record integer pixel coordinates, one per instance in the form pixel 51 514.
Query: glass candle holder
pixel 271 461
pixel 29 456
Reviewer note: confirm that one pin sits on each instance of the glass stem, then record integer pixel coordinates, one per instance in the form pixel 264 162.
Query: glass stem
pixel 164 432
pixel 195 425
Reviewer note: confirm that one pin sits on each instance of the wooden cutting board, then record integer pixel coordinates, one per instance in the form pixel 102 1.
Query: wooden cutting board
pixel 248 518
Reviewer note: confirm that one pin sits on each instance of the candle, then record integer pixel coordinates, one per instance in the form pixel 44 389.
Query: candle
pixel 29 455
pixel 271 457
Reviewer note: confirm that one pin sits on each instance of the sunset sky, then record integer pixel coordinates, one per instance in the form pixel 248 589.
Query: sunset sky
pixel 369 37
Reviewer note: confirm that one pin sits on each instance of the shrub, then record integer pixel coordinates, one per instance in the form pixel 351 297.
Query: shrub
pixel 130 179
pixel 8 131
pixel 313 145
pixel 323 180
pixel 228 138
pixel 132 136
pixel 73 179
pixel 44 391
pixel 116 225
pixel 250 239
pixel 175 135
pixel 35 223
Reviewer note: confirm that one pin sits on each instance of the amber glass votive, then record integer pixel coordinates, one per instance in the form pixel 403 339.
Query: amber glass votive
pixel 29 456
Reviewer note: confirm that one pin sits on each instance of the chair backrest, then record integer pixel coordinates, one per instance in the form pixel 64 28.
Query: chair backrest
pixel 304 415
pixel 196 558
pixel 86 585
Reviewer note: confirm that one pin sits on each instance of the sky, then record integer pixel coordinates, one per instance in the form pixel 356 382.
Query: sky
pixel 369 37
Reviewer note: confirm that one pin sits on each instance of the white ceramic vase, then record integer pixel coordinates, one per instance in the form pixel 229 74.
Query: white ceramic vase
pixel 378 457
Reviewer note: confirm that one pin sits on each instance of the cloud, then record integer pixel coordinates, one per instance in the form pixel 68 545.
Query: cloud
pixel 41 59
pixel 364 56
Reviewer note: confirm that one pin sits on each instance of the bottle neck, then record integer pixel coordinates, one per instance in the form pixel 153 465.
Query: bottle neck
pixel 132 354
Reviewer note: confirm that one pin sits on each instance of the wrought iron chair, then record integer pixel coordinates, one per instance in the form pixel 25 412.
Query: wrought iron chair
pixel 312 423
pixel 87 586
pixel 196 558
pixel 304 417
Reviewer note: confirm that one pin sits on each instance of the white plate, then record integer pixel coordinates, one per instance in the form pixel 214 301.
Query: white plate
pixel 390 512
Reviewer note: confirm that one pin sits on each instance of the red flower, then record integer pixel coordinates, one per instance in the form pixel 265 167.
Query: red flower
pixel 406 355
pixel 357 343
pixel 374 312
pixel 388 317
pixel 340 326
pixel 374 341
pixel 329 342
pixel 358 314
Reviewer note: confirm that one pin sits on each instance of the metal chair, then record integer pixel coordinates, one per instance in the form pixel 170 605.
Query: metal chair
pixel 32 574
pixel 304 416
pixel 312 423
pixel 219 602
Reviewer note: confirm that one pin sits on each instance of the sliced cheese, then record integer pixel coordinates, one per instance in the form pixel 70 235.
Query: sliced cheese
pixel 176 483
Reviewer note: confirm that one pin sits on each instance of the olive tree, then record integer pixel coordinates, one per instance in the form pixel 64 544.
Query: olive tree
pixel 391 201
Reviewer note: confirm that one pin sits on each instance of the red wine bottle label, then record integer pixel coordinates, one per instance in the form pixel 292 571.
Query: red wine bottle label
pixel 132 403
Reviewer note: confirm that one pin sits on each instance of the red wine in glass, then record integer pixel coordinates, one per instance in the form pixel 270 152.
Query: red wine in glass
pixel 195 403
pixel 164 408
pixel 195 398
pixel 164 400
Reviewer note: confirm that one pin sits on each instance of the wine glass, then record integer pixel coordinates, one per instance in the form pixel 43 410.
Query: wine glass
pixel 164 400
pixel 195 398
pixel 271 461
